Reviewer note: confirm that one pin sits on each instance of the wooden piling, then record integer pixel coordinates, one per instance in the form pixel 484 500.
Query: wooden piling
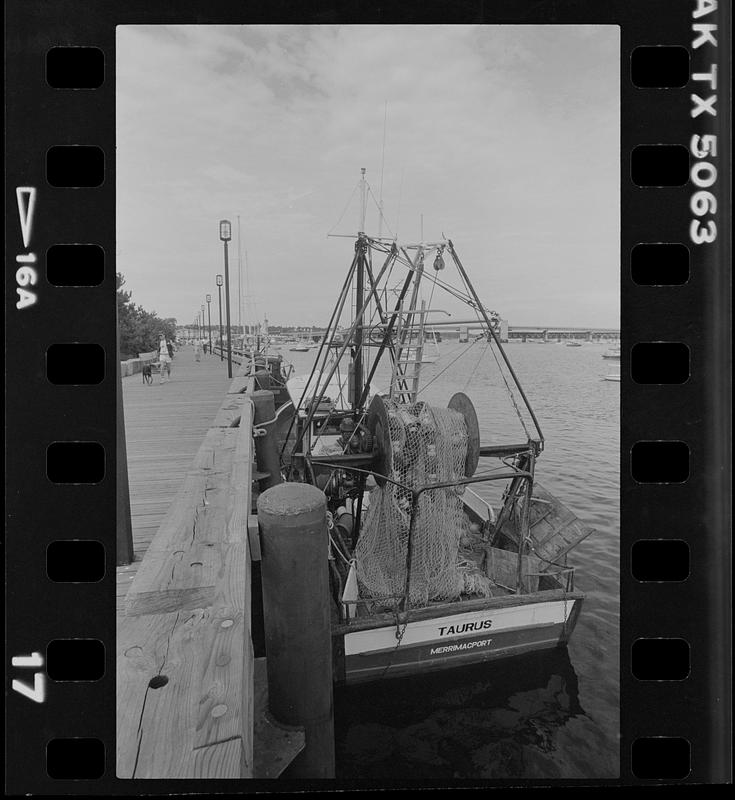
pixel 266 450
pixel 294 544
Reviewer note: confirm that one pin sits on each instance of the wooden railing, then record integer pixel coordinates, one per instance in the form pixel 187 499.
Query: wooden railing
pixel 185 696
pixel 132 366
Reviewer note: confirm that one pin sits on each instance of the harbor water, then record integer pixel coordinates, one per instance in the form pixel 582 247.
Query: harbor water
pixel 548 715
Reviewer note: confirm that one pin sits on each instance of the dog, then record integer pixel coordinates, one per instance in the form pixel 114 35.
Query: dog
pixel 147 374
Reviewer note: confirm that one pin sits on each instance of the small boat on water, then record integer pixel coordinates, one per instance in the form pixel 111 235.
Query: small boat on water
pixel 298 346
pixel 304 344
pixel 574 344
pixel 426 573
pixel 613 353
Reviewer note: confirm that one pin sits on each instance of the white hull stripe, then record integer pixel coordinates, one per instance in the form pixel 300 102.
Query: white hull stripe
pixel 478 654
pixel 459 626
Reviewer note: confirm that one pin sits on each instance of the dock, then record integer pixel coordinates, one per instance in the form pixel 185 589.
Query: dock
pixel 165 424
pixel 192 700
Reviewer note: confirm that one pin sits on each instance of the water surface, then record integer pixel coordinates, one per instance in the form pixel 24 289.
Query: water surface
pixel 547 715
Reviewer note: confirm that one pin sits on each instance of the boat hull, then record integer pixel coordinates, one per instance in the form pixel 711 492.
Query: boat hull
pixel 450 640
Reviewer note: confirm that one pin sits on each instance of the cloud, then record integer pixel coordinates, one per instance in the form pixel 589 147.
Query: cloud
pixel 504 137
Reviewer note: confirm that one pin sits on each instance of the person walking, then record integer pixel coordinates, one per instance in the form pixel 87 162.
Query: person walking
pixel 170 346
pixel 164 359
pixel 197 350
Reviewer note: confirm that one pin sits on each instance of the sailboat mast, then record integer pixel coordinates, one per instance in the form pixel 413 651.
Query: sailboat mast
pixel 248 304
pixel 239 277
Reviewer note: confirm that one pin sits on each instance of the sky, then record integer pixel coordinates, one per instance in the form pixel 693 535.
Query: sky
pixel 503 138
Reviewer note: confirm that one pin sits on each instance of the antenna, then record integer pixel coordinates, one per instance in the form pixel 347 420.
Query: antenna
pixel 382 167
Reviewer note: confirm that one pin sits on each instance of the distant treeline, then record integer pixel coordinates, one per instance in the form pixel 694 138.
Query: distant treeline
pixel 139 329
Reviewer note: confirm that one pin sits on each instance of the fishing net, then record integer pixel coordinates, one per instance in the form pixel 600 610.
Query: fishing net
pixel 428 445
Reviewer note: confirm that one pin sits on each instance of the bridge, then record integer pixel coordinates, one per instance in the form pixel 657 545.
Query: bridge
pixel 552 333
pixel 455 329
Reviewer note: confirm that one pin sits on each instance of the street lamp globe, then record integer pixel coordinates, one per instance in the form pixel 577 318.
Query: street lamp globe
pixel 225 230
pixel 220 280
pixel 209 298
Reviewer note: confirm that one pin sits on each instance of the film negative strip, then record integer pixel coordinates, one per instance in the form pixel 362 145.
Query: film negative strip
pixel 644 699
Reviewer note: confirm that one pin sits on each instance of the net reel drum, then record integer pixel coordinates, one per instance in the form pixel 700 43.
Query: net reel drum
pixel 386 449
pixel 411 528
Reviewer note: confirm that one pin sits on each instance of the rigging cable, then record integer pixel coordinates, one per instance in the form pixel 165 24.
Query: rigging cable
pixel 341 217
pixel 479 358
pixel 336 313
pixel 380 211
pixel 511 395
pixel 450 364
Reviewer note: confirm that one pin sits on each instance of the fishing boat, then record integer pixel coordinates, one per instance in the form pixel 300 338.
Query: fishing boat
pixel 574 344
pixel 613 354
pixel 426 573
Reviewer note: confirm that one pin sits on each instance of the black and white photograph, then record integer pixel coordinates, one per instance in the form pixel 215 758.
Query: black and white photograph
pixel 368 308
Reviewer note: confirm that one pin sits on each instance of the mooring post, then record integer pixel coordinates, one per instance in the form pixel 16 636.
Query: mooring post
pixel 266 447
pixel 294 568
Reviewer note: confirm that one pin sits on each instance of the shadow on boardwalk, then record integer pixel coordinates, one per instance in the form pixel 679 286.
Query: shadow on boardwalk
pixel 165 425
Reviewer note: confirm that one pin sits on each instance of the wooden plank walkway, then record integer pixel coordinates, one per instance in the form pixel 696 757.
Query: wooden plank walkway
pixel 191 700
pixel 165 425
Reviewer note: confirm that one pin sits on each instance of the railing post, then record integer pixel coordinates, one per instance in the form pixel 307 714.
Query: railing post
pixel 294 568
pixel 125 551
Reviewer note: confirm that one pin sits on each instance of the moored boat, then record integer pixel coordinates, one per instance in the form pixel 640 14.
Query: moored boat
pixel 426 572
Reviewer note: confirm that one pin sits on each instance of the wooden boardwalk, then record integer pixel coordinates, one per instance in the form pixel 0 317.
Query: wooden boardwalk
pixel 165 424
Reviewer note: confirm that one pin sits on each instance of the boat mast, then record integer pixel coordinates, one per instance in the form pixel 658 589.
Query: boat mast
pixel 239 278
pixel 361 247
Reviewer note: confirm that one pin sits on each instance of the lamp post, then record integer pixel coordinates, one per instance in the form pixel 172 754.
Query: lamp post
pixel 209 321
pixel 204 332
pixel 221 341
pixel 225 234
